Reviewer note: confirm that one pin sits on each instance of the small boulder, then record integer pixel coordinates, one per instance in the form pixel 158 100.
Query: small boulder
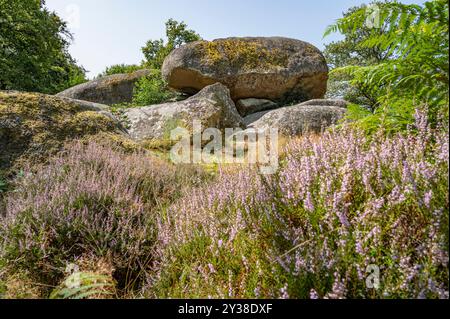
pixel 109 90
pixel 298 119
pixel 275 68
pixel 212 106
pixel 249 106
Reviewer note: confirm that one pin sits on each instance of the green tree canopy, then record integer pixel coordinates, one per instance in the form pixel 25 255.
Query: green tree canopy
pixel 152 89
pixel 155 51
pixel 33 49
pixel 119 69
pixel 409 51
pixel 351 51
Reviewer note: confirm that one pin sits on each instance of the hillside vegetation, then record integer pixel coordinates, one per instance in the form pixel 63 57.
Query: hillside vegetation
pixel 356 210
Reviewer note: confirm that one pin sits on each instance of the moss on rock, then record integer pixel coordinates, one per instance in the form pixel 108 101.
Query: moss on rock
pixel 35 126
pixel 119 142
pixel 244 55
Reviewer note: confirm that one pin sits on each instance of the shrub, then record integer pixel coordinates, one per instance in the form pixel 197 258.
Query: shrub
pixel 120 69
pixel 93 200
pixel 340 204
pixel 151 90
pixel 34 49
pixel 177 33
pixel 414 41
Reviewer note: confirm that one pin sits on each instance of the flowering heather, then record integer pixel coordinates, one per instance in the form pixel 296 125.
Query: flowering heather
pixel 94 201
pixel 340 205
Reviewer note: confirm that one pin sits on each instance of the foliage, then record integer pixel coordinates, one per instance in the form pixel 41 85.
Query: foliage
pixel 119 69
pixel 152 89
pixel 340 204
pixel 177 34
pixel 350 51
pixel 33 49
pixel 416 40
pixel 36 126
pixel 3 185
pixel 81 285
pixel 92 200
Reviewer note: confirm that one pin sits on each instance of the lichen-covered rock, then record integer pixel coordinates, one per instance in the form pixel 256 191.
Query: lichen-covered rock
pixel 299 119
pixel 278 69
pixel 212 106
pixel 34 126
pixel 249 106
pixel 109 90
pixel 327 102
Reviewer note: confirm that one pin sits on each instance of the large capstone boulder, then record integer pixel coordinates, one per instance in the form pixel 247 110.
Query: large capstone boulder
pixel 298 119
pixel 277 69
pixel 35 126
pixel 109 90
pixel 212 107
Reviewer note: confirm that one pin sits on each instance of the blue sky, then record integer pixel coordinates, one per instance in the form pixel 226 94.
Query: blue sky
pixel 108 32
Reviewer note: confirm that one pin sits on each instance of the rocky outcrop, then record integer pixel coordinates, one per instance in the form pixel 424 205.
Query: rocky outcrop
pixel 212 106
pixel 34 126
pixel 112 89
pixel 277 69
pixel 249 106
pixel 297 119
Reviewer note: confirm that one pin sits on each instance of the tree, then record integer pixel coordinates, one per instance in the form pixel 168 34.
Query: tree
pixel 152 89
pixel 177 34
pixel 33 49
pixel 413 69
pixel 119 69
pixel 351 51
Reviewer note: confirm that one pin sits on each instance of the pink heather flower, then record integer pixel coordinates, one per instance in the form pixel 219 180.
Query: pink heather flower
pixel 212 270
pixel 427 198
pixel 378 204
pixel 284 292
pixel 343 219
pixel 339 290
pixel 421 118
pixel 313 295
pixel 230 283
pixel 309 206
pixel 257 292
pixel 359 248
